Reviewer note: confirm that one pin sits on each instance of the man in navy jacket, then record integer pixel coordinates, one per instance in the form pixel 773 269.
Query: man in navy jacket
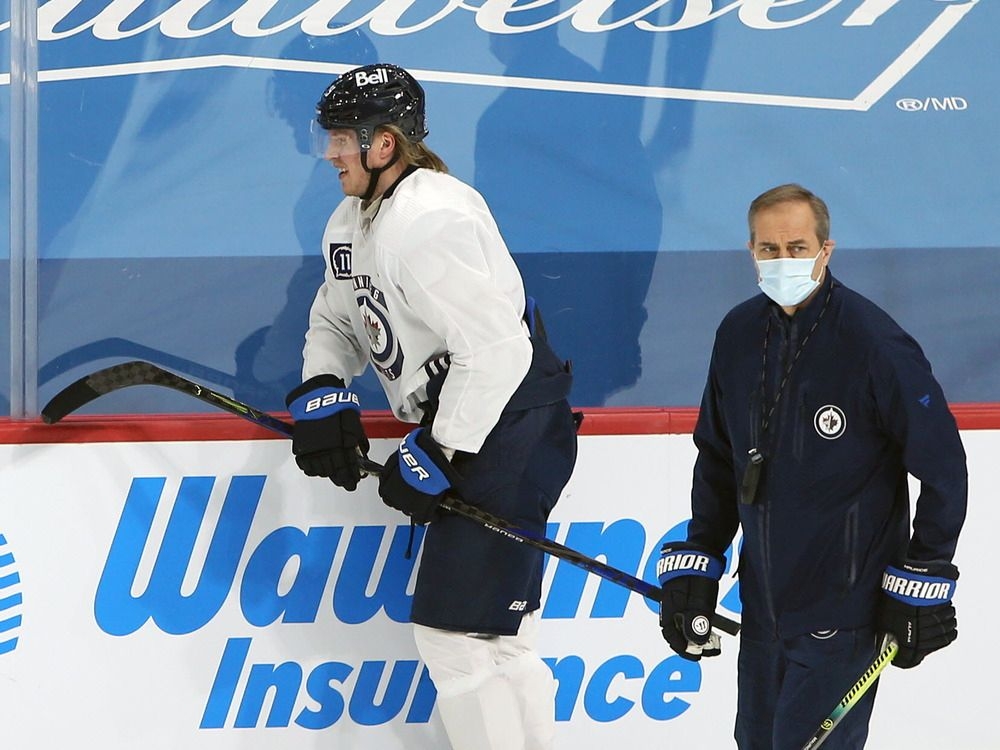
pixel 817 407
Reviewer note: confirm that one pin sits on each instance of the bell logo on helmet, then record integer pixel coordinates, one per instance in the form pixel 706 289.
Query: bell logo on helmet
pixel 364 78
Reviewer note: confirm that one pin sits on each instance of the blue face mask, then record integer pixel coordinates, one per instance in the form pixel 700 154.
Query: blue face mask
pixel 787 281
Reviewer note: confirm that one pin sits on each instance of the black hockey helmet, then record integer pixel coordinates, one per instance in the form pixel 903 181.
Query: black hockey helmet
pixel 364 98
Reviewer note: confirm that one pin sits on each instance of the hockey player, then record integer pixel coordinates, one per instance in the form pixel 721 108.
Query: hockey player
pixel 817 406
pixel 420 285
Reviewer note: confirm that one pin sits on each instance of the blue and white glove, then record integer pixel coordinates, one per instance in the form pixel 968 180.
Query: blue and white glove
pixel 416 477
pixel 327 434
pixel 689 578
pixel 916 608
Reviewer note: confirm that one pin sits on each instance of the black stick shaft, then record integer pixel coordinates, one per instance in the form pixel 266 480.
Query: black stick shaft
pixel 560 551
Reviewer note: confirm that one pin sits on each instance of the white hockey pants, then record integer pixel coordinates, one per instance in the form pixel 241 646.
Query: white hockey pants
pixel 494 692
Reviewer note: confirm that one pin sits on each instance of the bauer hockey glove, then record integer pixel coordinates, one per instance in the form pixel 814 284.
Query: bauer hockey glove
pixel 327 435
pixel 689 577
pixel 416 477
pixel 916 608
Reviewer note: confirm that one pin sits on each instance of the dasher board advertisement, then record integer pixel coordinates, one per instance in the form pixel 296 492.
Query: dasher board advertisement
pixel 208 595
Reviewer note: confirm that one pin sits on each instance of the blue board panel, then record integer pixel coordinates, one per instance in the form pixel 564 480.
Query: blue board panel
pixel 648 345
pixel 618 143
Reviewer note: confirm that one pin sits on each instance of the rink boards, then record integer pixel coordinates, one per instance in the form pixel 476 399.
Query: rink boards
pixel 205 594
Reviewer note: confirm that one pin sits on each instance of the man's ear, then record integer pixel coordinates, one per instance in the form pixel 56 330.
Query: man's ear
pixel 825 252
pixel 385 143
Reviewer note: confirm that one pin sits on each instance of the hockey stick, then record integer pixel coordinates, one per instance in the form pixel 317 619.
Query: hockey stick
pixel 126 374
pixel 90 387
pixel 870 676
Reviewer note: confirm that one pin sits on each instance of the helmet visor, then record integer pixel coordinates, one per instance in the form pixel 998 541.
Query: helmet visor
pixel 331 144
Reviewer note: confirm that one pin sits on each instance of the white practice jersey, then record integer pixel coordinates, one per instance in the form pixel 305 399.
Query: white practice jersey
pixel 427 281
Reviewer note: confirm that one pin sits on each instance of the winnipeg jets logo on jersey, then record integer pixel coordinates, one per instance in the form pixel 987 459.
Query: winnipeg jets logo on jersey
pixel 386 354
pixel 830 422
pixel 340 260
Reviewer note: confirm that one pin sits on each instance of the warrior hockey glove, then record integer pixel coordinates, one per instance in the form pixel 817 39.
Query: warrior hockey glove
pixel 916 608
pixel 327 434
pixel 689 577
pixel 416 477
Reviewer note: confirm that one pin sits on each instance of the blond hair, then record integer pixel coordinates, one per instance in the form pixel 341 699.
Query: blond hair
pixel 415 154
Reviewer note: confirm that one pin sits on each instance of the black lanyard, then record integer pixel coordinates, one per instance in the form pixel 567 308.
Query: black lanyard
pixel 751 475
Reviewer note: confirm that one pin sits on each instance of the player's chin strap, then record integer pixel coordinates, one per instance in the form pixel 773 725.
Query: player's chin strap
pixel 375 173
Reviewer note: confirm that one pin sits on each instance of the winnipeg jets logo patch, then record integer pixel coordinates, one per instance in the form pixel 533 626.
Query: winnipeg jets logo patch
pixel 830 422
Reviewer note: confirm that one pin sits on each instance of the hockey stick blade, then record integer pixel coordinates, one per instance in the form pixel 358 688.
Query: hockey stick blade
pixel 137 372
pixel 86 389
pixel 870 676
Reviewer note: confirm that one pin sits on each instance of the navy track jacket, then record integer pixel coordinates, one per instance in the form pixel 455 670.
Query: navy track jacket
pixel 859 410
